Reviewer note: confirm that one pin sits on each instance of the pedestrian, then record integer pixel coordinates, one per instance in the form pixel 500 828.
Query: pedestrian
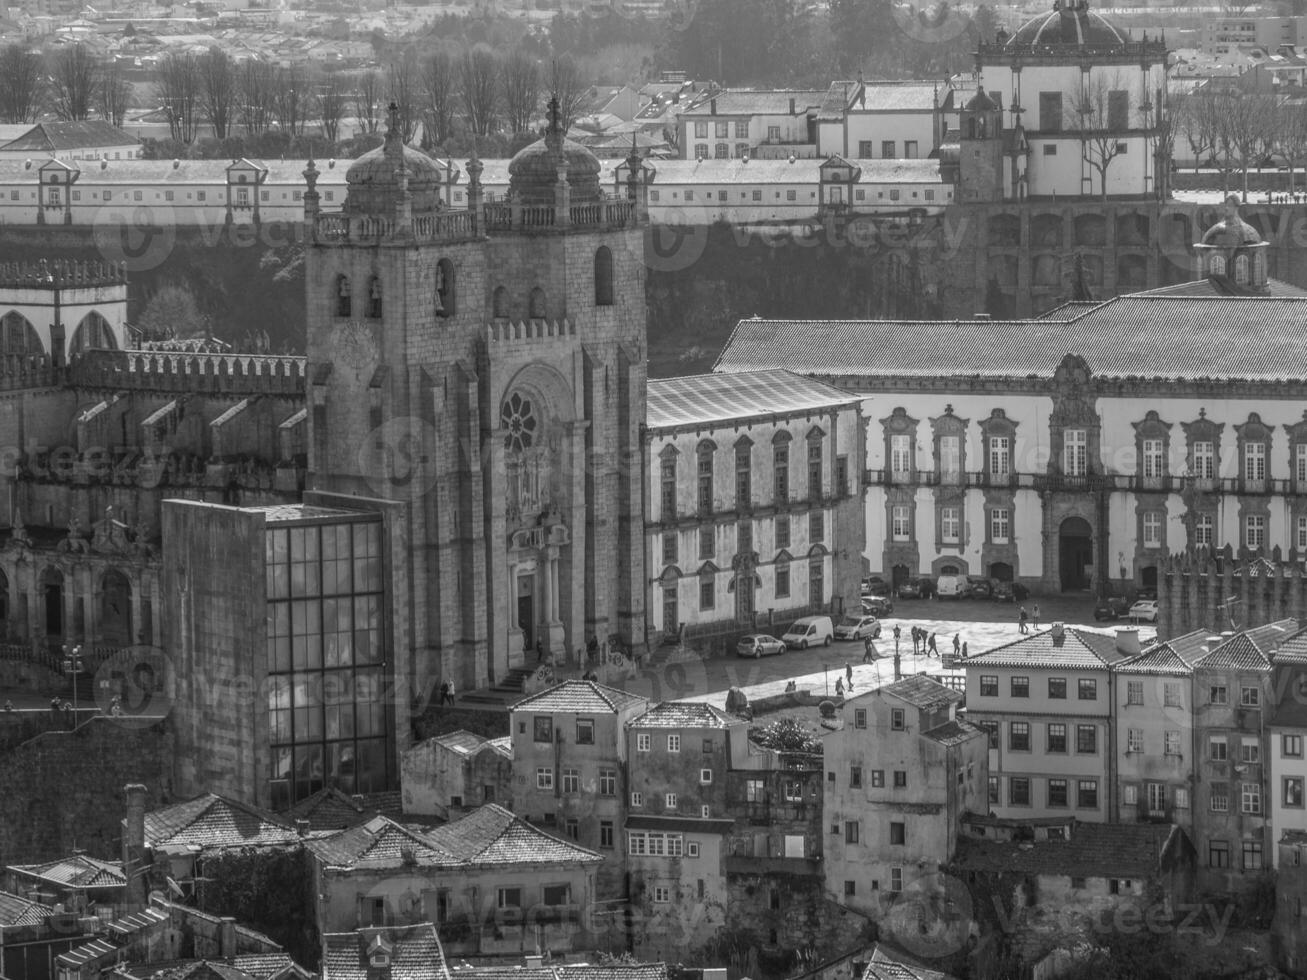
pixel 868 650
pixel 839 687
pixel 916 640
pixel 1036 616
pixel 957 643
pixel 897 631
pixel 848 672
pixel 540 651
pixel 451 692
pixel 444 692
pixel 1025 627
pixel 55 707
pixel 964 651
pixel 933 648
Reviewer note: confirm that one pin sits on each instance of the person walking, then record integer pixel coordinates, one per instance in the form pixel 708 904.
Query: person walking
pixel 839 687
pixel 848 672
pixel 897 632
pixel 1024 627
pixel 957 644
pixel 934 650
pixel 964 651
pixel 444 692
pixel 916 640
pixel 451 692
pixel 1036 616
pixel 868 650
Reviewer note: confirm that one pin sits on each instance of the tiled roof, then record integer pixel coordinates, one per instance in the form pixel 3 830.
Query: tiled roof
pixel 48 137
pixel 953 733
pixel 491 835
pixel 1253 338
pixel 706 173
pixel 1292 650
pixel 905 96
pixel 268 965
pixel 886 965
pixel 586 697
pixel 188 970
pixel 1294 837
pixel 564 971
pixel 273 513
pixel 469 743
pixel 704 399
pixel 682 714
pixel 1076 648
pixel 1069 310
pixel 1250 649
pixel 78 871
pixel 380 842
pixel 1205 287
pixel 215 821
pixel 330 809
pixel 837 99
pixel 758 102
pixel 923 692
pixel 415 953
pixel 18 911
pixel 1158 659
pixel 1091 851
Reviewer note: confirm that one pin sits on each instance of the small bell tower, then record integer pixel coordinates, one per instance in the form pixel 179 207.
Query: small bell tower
pixel 980 140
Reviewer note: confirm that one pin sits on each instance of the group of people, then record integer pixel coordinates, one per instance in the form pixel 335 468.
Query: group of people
pixel 1025 619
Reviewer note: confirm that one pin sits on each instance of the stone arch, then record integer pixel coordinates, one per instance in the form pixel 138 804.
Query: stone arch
pixel 93 333
pixel 547 387
pixel 499 302
pixel 1046 230
pixel 344 297
pixel 949 565
pixel 537 308
pixel 114 601
pixel 20 337
pixel 1090 229
pixel 603 276
pixel 446 298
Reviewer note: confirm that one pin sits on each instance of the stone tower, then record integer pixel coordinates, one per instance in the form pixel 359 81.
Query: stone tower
pixel 483 372
pixel 980 150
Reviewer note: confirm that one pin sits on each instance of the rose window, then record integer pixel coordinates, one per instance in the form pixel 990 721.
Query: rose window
pixel 519 421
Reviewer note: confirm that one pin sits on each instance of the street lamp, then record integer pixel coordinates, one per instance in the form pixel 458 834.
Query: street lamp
pixel 73 666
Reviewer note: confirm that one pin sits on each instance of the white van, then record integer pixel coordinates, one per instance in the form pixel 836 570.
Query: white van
pixel 809 632
pixel 952 587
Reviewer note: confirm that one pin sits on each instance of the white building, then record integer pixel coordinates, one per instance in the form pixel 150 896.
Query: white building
pixel 886 120
pixel 88 140
pixel 753 501
pixel 751 122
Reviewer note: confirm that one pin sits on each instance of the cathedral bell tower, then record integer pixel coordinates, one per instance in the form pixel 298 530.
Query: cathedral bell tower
pixel 975 162
pixel 480 373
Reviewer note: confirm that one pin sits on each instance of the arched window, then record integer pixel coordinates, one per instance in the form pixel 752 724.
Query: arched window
pixel 1217 266
pixel 446 293
pixel 374 298
pixel 500 302
pixel 1241 270
pixel 20 337
pixel 603 276
pixel 1259 269
pixel 343 304
pixel 538 311
pixel 93 333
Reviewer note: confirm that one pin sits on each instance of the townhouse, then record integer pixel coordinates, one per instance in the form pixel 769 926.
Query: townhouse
pixel 1046 702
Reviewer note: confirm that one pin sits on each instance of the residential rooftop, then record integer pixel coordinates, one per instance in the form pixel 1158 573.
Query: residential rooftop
pixel 1074 648
pixel 682 714
pixel 212 821
pixel 1090 851
pixel 587 697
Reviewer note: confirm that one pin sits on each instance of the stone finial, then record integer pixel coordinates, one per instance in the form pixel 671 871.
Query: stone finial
pixel 311 176
pixel 1202 413
pixel 555 115
pixel 392 118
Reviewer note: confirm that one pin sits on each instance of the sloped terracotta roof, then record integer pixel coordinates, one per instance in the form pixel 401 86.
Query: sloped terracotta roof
pixel 381 842
pixel 415 954
pixel 923 692
pixel 491 835
pixel 1250 649
pixel 682 714
pixel 214 821
pixel 78 871
pixel 18 911
pixel 754 102
pixel 1292 650
pixel 48 137
pixel 953 733
pixel 1077 648
pixel 330 809
pixel 586 697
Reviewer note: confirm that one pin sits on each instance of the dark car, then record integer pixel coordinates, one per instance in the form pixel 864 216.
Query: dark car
pixel 1111 607
pixel 981 588
pixel 877 605
pixel 1004 592
pixel 875 586
pixel 909 589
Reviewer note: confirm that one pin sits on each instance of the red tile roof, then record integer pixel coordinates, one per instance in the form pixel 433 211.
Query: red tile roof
pixel 415 953
pixel 682 714
pixel 48 137
pixel 490 835
pixel 211 821
pixel 78 871
pixel 18 911
pixel 1076 648
pixel 583 697
pixel 922 692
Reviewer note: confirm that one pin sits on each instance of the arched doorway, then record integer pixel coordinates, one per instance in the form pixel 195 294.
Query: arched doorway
pixel 1075 542
pixel 52 595
pixel 115 609
pixel 1001 570
pixel 899 574
pixel 1148 579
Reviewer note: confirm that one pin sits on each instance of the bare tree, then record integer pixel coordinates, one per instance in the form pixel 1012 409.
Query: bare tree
pixel 1195 116
pixel 440 85
pixel 257 84
pixel 333 100
pixel 1290 135
pixel 219 89
pixel 367 101
pixel 1246 131
pixel 1099 114
pixel 178 88
pixel 565 85
pixel 479 88
pixel 292 99
pixel 403 88
pixel 72 82
pixel 521 90
pixel 113 93
pixel 20 84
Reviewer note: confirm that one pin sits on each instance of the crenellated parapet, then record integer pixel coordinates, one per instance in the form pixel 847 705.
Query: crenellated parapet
pixel 60 274
pixel 1224 589
pixel 208 373
pixel 506 332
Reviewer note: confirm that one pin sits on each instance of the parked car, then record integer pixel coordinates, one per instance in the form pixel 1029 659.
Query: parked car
pixel 1111 607
pixel 1146 594
pixel 952 587
pixel 875 585
pixel 910 589
pixel 980 588
pixel 758 645
pixel 810 631
pixel 1144 610
pixel 1004 591
pixel 857 628
pixel 876 605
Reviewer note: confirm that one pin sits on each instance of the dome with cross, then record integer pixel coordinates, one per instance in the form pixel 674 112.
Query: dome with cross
pixel 533 173
pixel 376 180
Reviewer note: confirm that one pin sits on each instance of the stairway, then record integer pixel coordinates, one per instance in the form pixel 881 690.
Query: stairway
pixel 504 692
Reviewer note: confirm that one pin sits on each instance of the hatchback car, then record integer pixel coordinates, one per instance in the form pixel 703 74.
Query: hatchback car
pixel 758 645
pixel 1144 610
pixel 875 586
pixel 1004 592
pixel 910 589
pixel 857 628
pixel 980 588
pixel 1111 607
pixel 876 605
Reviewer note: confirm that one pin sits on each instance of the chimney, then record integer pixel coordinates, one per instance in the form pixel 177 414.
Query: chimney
pixel 712 107
pixel 358 801
pixel 226 937
pixel 302 828
pixel 134 843
pixel 1127 641
pixel 1058 631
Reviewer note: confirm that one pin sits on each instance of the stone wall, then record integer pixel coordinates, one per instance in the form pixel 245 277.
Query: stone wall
pixel 1224 591
pixel 63 790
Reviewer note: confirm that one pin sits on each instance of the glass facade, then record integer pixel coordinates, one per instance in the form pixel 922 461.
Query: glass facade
pixel 329 723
